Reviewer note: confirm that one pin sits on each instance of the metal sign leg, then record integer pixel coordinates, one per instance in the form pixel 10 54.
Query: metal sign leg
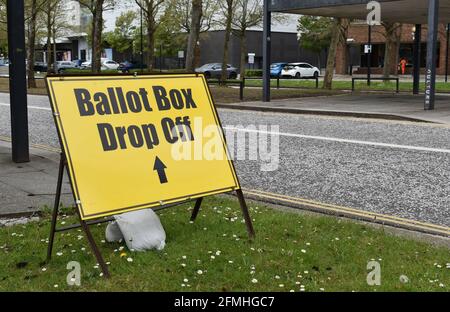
pixel 56 207
pixel 198 203
pixel 244 208
pixel 94 247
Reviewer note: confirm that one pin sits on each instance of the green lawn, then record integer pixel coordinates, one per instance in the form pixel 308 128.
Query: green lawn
pixel 214 254
pixel 347 85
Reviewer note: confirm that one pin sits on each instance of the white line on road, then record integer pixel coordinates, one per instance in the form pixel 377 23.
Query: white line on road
pixel 295 135
pixel 30 106
pixel 312 137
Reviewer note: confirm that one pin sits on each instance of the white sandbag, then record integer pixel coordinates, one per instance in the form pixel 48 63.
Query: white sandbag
pixel 113 233
pixel 142 230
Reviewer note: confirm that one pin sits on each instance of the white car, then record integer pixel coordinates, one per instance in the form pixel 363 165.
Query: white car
pixel 108 64
pixel 300 70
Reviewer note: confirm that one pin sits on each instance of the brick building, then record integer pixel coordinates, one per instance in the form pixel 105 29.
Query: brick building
pixel 352 53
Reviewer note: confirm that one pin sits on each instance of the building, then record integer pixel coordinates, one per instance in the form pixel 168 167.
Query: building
pixel 285 48
pixel 71 42
pixel 351 54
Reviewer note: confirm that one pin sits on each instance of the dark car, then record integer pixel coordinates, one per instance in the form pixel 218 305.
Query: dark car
pixel 126 66
pixel 40 66
pixel 214 70
pixel 276 68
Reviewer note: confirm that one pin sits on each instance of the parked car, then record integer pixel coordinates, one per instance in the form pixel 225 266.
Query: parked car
pixel 126 66
pixel 40 66
pixel 300 70
pixel 109 64
pixel 214 70
pixel 61 66
pixel 86 65
pixel 276 68
pixel 4 62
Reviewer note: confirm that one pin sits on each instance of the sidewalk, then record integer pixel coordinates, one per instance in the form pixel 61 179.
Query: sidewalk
pixel 367 105
pixel 28 187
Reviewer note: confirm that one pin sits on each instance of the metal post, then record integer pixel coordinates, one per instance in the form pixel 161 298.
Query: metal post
pixel 160 57
pixel 446 53
pixel 369 55
pixel 17 81
pixel 142 45
pixel 430 76
pixel 416 56
pixel 266 51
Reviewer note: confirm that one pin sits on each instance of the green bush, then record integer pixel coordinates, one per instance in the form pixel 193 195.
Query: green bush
pixel 253 73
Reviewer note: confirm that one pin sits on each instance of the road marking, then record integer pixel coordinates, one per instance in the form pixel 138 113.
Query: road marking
pixel 372 216
pixel 322 138
pixel 30 106
pixel 408 223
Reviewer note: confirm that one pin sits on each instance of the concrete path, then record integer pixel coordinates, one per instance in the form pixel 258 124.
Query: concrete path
pixel 385 106
pixel 27 188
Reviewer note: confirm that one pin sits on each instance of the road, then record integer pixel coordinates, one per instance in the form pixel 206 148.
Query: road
pixel 393 168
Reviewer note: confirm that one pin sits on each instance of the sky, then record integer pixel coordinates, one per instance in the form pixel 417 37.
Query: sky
pixel 288 25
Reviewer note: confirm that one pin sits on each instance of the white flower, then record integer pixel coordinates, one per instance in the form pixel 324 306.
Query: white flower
pixel 130 259
pixel 213 257
pixel 441 285
pixel 199 272
pixel 230 261
pixel 303 250
pixel 218 252
pixel 308 244
pixel 184 257
pixel 185 280
pixel 322 289
pixel 281 285
pixel 183 265
pixel 277 277
pixel 44 269
pixel 56 285
pixel 254 281
pixel 59 254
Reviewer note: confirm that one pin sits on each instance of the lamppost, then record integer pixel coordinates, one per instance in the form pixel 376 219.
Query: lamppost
pixel 142 44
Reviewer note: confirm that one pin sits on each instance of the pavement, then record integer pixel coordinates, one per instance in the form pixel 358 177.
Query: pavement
pixel 27 188
pixel 368 105
pixel 380 169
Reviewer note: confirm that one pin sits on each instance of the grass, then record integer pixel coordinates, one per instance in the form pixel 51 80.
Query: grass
pixel 290 249
pixel 220 94
pixel 404 86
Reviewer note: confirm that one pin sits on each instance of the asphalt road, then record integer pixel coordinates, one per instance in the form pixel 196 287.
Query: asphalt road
pixel 388 167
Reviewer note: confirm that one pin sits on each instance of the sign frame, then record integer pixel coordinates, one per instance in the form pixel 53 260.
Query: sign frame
pixel 84 224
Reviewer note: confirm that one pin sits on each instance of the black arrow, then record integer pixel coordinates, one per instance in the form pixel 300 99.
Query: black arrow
pixel 161 169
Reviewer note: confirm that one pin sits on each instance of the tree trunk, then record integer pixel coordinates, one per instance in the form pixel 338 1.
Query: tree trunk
pixel 31 45
pixel 196 16
pixel 390 53
pixel 97 28
pixel 49 36
pixel 243 38
pixel 331 59
pixel 150 42
pixel 55 65
pixel 224 75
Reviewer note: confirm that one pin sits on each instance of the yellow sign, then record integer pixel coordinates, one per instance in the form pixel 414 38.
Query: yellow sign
pixel 134 142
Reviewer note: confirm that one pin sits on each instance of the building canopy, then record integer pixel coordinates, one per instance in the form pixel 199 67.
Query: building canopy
pixel 403 11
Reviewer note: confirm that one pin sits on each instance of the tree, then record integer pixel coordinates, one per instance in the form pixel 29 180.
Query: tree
pixel 121 39
pixel 339 27
pixel 3 28
pixel 182 14
pixel 194 34
pixel 227 11
pixel 96 8
pixel 248 13
pixel 33 9
pixel 392 34
pixel 151 10
pixel 315 33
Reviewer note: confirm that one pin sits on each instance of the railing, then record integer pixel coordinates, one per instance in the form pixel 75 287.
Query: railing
pixel 397 80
